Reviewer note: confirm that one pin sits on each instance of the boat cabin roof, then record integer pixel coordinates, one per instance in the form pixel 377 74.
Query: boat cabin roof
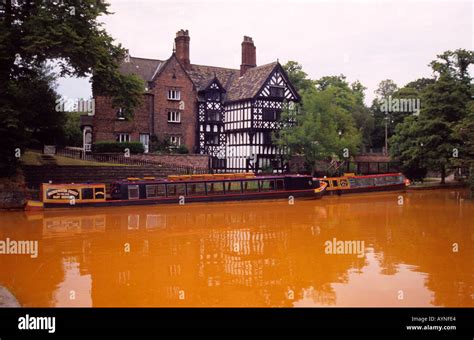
pixel 204 178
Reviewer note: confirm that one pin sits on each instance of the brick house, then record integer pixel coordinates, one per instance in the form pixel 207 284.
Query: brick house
pixel 229 114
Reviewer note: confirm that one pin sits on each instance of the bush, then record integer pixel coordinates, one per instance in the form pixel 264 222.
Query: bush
pixel 159 146
pixel 182 149
pixel 471 180
pixel 105 147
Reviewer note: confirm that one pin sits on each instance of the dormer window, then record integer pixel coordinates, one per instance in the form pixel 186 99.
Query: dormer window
pixel 213 95
pixel 174 94
pixel 277 91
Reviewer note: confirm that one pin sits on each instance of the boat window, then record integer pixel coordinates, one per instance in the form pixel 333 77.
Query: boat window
pixel 280 184
pixel 250 186
pixel 87 193
pixel 381 180
pixel 334 183
pixel 196 189
pixel 215 188
pixel 133 192
pixel 267 185
pixel 366 182
pixel 233 187
pixel 99 193
pixel 155 190
pixel 176 189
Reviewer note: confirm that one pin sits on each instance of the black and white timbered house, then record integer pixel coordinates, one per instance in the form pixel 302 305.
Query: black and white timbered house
pixel 228 114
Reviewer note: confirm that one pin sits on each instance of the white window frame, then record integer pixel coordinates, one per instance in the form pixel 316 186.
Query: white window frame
pixel 123 137
pixel 120 114
pixel 133 187
pixel 175 141
pixel 174 117
pixel 174 94
pixel 145 140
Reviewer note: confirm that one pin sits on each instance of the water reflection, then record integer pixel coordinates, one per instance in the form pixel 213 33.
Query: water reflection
pixel 248 254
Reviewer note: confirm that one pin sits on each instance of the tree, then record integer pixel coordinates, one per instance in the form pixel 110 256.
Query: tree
pixel 446 103
pixel 408 149
pixel 386 88
pixel 389 119
pixel 464 132
pixel 68 34
pixel 383 120
pixel 72 129
pixel 298 77
pixel 324 128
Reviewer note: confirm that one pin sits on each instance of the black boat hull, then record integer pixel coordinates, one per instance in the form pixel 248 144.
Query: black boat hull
pixel 305 194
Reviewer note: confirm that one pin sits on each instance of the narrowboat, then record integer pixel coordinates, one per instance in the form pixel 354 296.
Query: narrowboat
pixel 351 183
pixel 178 189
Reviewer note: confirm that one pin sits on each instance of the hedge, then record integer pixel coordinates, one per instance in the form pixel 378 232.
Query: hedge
pixel 105 147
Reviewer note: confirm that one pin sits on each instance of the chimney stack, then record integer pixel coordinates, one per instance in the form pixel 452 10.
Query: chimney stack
pixel 249 55
pixel 182 48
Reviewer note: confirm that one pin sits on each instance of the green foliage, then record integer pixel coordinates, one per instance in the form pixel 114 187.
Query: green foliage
pixel 68 34
pixel 27 112
pixel 325 112
pixel 471 180
pixel 298 77
pixel 72 129
pixel 159 146
pixel 408 149
pixel 109 146
pixel 445 120
pixel 386 88
pixel 182 149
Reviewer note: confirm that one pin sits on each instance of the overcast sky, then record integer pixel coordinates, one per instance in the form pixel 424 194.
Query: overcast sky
pixel 365 40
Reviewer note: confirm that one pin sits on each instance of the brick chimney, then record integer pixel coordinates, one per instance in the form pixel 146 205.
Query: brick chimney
pixel 182 47
pixel 249 55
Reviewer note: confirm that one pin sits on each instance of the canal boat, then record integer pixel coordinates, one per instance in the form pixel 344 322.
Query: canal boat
pixel 178 189
pixel 351 183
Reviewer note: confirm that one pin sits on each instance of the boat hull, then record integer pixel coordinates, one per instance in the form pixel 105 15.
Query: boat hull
pixel 304 194
pixel 394 187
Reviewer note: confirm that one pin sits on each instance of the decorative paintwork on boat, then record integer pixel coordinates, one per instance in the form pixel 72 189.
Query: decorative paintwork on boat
pixel 350 183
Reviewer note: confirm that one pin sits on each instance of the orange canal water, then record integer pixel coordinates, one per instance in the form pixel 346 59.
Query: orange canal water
pixel 411 251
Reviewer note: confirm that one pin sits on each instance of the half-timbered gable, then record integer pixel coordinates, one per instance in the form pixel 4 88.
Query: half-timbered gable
pixel 253 116
pixel 211 122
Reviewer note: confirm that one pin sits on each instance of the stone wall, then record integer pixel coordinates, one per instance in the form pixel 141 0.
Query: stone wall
pixel 13 192
pixel 35 175
pixel 12 199
pixel 186 160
